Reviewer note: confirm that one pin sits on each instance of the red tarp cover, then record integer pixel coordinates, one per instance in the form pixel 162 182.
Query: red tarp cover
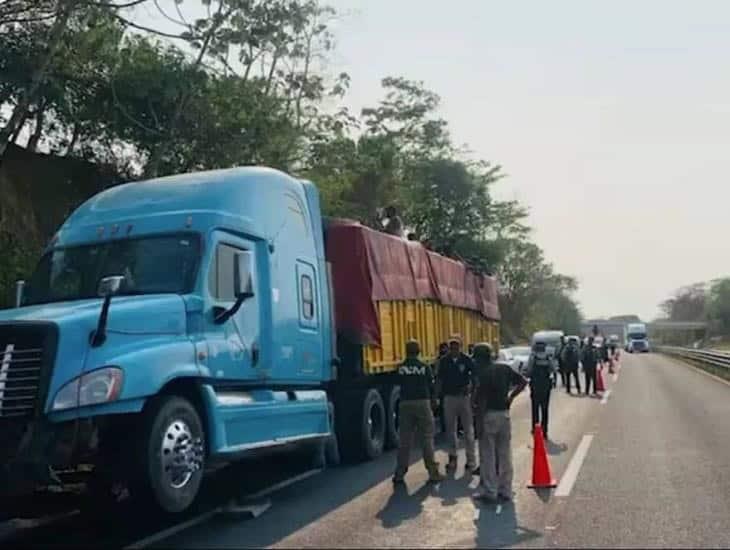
pixel 368 266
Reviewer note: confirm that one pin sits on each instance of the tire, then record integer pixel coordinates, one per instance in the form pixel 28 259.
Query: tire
pixel 372 425
pixel 169 423
pixel 392 400
pixel 359 438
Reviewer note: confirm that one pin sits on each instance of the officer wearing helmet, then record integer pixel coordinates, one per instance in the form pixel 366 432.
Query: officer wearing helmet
pixel 541 369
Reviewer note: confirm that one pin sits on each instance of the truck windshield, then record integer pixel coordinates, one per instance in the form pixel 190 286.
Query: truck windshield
pixel 150 265
pixel 638 336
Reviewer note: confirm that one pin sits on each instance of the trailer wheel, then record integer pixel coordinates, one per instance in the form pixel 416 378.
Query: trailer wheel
pixel 393 400
pixel 171 457
pixel 373 425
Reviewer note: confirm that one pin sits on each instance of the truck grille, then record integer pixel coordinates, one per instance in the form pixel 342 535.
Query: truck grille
pixel 27 351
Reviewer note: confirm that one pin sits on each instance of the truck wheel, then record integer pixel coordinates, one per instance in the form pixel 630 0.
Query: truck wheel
pixel 393 400
pixel 172 454
pixel 373 423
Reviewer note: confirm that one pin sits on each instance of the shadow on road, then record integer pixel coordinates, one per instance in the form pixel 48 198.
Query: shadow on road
pixel 554 448
pixel 402 506
pixel 498 527
pixel 308 501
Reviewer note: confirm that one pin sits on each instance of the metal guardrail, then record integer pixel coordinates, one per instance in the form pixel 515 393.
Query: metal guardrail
pixel 717 362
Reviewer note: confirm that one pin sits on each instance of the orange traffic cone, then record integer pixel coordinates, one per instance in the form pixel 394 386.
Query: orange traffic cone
pixel 541 476
pixel 600 386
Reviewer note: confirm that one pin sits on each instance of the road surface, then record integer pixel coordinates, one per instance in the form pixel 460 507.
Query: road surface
pixel 645 467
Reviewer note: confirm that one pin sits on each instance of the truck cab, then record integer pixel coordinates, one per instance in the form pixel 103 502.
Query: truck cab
pixel 169 323
pixel 637 340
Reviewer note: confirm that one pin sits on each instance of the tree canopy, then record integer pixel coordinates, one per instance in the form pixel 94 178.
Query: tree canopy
pixel 244 85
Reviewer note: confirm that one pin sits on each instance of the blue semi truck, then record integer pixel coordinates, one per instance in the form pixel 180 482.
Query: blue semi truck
pixel 176 324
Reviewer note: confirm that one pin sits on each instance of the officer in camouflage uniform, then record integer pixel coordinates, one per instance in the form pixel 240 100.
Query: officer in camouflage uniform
pixel 415 417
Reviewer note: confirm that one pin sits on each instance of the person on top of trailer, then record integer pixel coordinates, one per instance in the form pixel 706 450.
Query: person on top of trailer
pixel 394 225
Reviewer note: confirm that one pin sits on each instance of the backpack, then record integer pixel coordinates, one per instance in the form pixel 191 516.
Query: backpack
pixel 571 356
pixel 542 368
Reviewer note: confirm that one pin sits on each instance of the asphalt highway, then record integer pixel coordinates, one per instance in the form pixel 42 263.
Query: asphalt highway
pixel 646 466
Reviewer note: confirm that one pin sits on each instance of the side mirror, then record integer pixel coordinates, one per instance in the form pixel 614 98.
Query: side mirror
pixel 19 288
pixel 243 264
pixel 109 286
pixel 243 275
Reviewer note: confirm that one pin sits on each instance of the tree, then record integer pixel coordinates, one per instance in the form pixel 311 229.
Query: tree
pixel 718 309
pixel 531 294
pixel 687 304
pixel 49 22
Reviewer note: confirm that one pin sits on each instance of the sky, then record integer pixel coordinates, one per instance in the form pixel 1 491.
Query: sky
pixel 611 120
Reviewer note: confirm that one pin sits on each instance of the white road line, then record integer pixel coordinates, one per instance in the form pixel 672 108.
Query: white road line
pixel 498 510
pixel 571 474
pixel 604 399
pixel 285 483
pixel 477 511
pixel 166 533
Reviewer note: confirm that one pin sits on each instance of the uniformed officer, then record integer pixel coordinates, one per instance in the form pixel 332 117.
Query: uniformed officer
pixel 415 416
pixel 571 363
pixel 589 359
pixel 559 358
pixel 455 377
pixel 540 370
pixel 443 350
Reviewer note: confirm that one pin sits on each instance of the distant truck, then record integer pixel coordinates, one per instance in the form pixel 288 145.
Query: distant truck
pixel 178 324
pixel 637 340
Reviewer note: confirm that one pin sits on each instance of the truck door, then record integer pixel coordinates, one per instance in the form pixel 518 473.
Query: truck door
pixel 308 360
pixel 234 345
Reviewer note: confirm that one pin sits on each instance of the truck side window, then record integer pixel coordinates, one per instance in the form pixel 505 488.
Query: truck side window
pixel 221 273
pixel 307 297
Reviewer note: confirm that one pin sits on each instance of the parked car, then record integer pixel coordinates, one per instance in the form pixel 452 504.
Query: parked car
pixel 520 356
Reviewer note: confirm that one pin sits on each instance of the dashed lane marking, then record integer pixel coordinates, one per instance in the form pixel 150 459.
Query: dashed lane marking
pixel 604 399
pixel 571 474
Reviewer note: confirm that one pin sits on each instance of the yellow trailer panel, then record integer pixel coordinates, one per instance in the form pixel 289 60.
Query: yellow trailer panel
pixel 428 322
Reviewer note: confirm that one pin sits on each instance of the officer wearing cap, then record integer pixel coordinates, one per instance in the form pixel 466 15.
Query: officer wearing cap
pixel 415 416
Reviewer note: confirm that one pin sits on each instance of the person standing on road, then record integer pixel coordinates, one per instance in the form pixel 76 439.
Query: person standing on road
pixel 590 362
pixel 559 359
pixel 496 388
pixel 540 370
pixel 443 350
pixel 455 375
pixel 414 413
pixel 605 354
pixel 571 364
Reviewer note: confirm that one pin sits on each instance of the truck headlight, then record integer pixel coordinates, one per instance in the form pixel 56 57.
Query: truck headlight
pixel 98 386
